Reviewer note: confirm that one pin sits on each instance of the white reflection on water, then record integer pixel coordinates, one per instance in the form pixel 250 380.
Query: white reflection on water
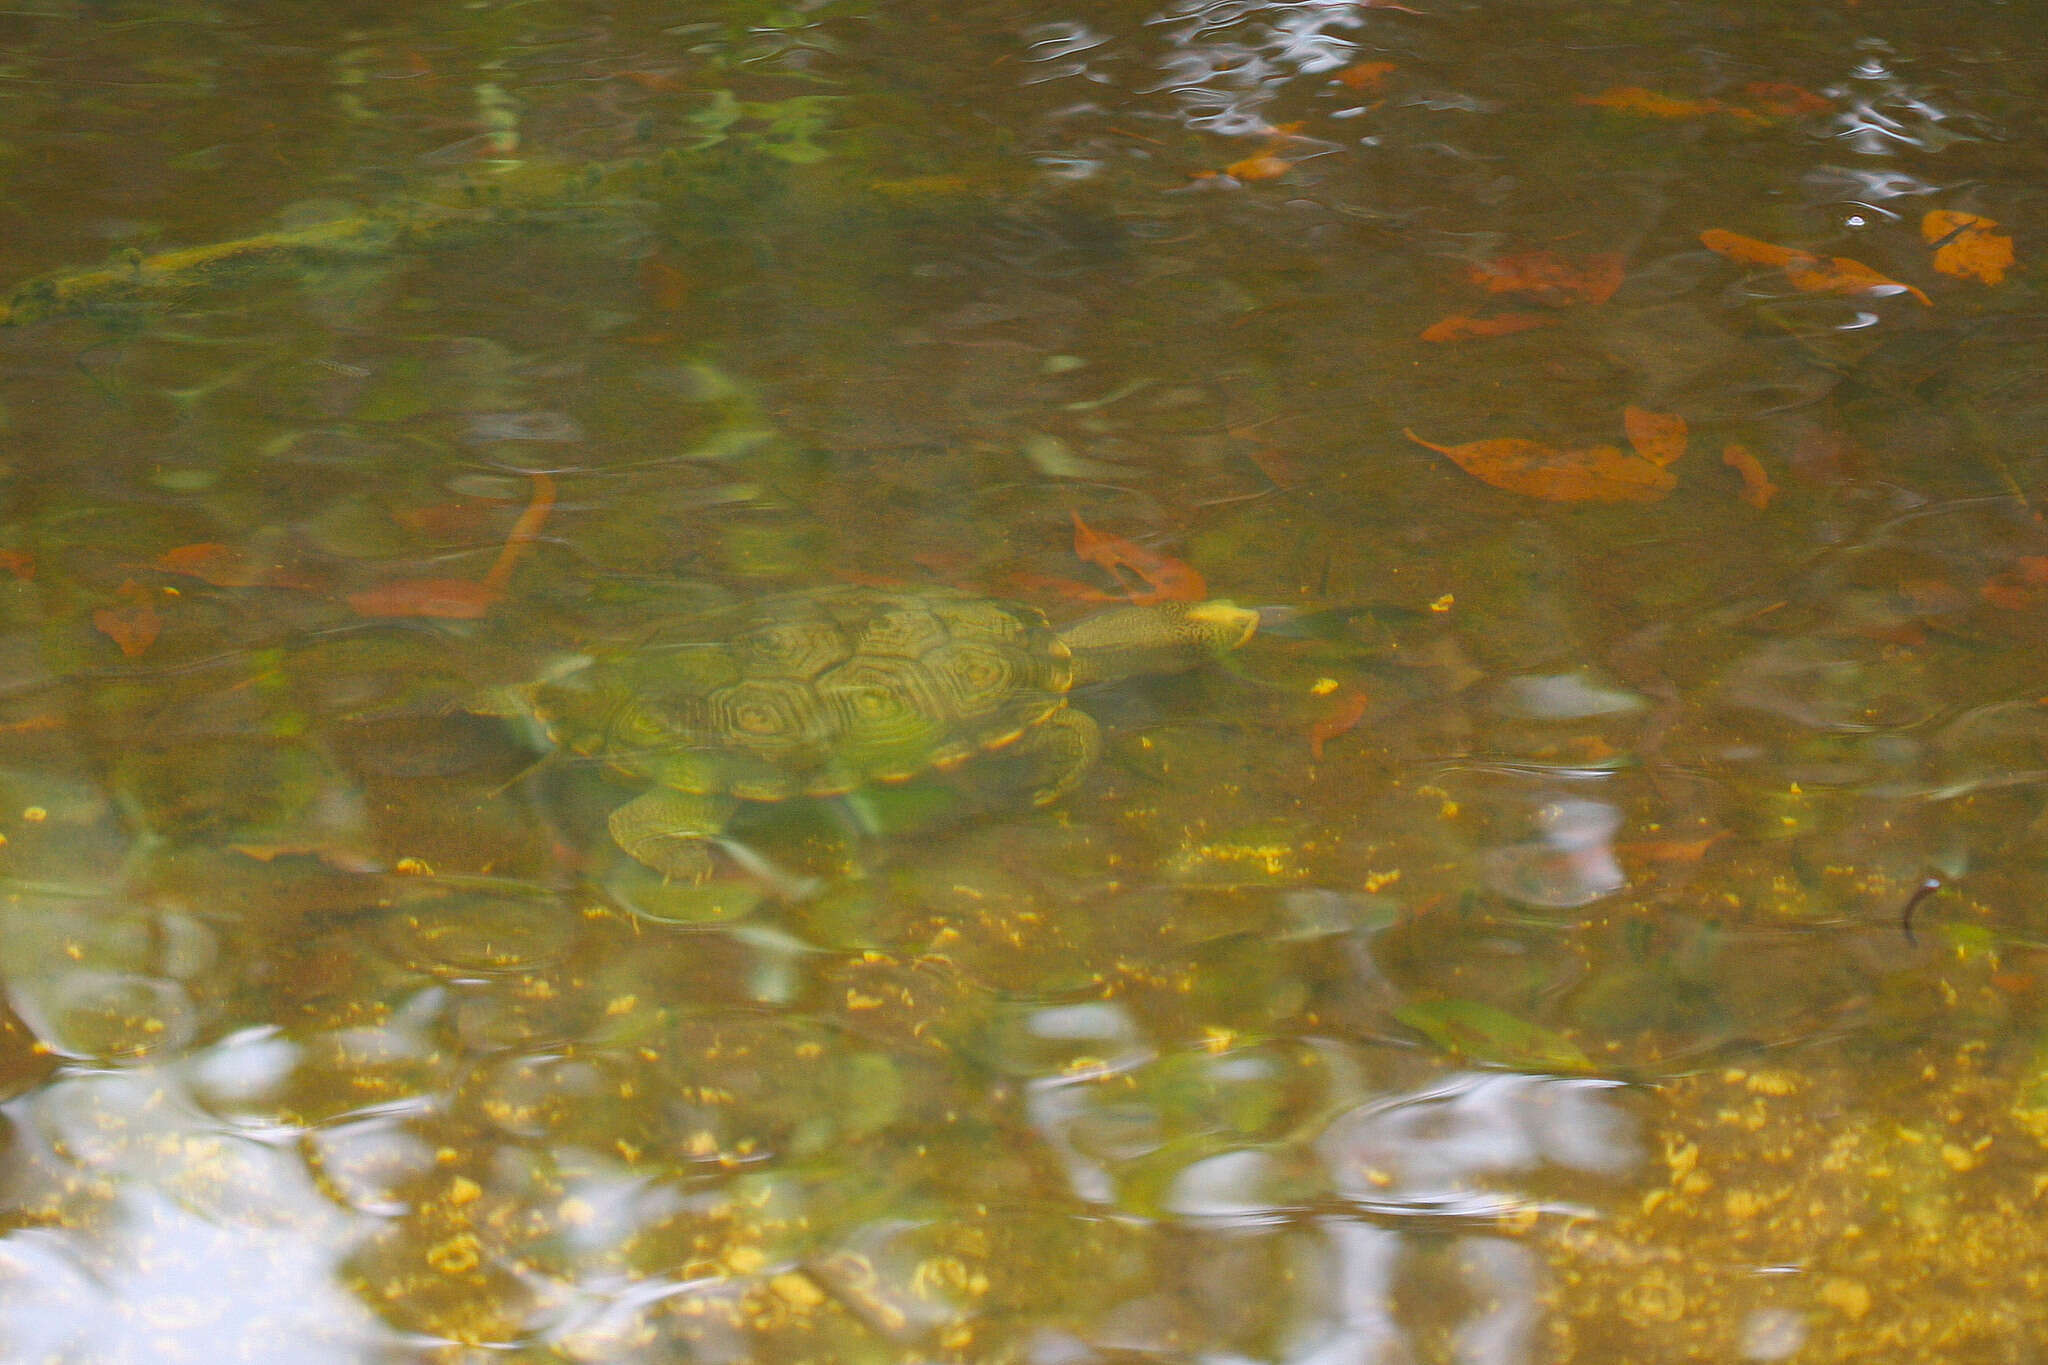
pixel 166 1239
pixel 1567 860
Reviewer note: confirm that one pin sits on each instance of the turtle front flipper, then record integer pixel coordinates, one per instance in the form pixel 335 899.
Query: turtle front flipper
pixel 1062 747
pixel 667 830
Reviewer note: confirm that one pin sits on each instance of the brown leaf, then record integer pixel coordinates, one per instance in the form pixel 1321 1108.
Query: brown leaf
pixel 134 624
pixel 1550 278
pixel 1463 327
pixel 1658 437
pixel 1592 474
pixel 1757 488
pixel 1167 579
pixel 1367 76
pixel 223 566
pixel 20 563
pixel 1634 99
pixel 1784 98
pixel 1965 245
pixel 448 599
pixel 1342 718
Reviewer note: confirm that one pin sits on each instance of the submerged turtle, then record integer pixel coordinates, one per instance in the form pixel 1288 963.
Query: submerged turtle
pixel 823 692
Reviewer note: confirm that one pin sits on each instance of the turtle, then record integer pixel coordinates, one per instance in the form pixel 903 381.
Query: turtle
pixel 823 692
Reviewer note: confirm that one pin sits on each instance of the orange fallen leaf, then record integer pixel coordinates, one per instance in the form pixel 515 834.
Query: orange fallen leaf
pixel 134 624
pixel 1591 474
pixel 2017 588
pixel 1263 166
pixel 1840 275
pixel 1737 247
pixel 1549 277
pixel 1757 488
pixel 1807 272
pixel 461 599
pixel 1670 850
pixel 1369 76
pixel 1658 437
pixel 666 287
pixel 1342 718
pixel 524 531
pixel 20 563
pixel 1782 97
pixel 224 566
pixel 447 599
pixel 1634 99
pixel 1167 579
pixel 2007 595
pixel 1965 245
pixel 1464 327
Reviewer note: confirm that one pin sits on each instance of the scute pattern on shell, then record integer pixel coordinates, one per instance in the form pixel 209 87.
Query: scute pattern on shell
pixel 817 693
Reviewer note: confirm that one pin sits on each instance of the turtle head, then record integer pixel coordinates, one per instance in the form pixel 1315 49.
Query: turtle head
pixel 1159 637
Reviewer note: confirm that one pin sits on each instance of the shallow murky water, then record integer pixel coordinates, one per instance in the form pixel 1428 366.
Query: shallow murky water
pixel 1596 917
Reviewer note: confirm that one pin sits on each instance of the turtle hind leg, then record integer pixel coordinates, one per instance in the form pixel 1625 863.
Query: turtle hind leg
pixel 1061 748
pixel 668 830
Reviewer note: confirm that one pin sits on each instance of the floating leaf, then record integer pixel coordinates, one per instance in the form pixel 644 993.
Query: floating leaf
pixel 1167 579
pixel 1461 327
pixel 1488 1033
pixel 1263 166
pixel 1341 719
pixel 20 563
pixel 1807 272
pixel 1593 474
pixel 1658 437
pixel 134 624
pixel 1550 278
pixel 1757 488
pixel 1965 245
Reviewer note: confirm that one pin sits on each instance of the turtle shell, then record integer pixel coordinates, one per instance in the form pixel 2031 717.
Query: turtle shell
pixel 815 693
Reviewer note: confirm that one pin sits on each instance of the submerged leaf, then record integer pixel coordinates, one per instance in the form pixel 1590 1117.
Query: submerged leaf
pixel 1342 718
pixel 1550 278
pixel 1757 488
pixel 134 624
pixel 1167 579
pixel 1658 437
pixel 1590 474
pixel 1488 1033
pixel 1366 76
pixel 448 599
pixel 1463 327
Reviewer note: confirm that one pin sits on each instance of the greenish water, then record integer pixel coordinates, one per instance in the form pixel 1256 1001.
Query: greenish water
pixel 1597 918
